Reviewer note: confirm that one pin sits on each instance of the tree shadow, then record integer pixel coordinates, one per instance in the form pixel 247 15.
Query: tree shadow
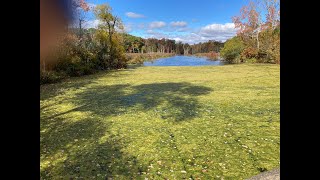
pixel 76 150
pixel 172 101
pixel 86 148
pixel 52 90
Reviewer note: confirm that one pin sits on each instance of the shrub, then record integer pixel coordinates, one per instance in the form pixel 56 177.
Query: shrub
pixel 232 50
pixel 249 53
pixel 214 55
pixel 270 46
pixel 51 77
pixel 251 60
pixel 78 57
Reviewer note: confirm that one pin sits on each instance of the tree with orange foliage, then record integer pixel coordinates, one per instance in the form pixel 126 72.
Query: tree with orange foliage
pixel 82 4
pixel 257 19
pixel 249 23
pixel 273 13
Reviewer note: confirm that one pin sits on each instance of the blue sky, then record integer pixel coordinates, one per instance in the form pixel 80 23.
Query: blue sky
pixel 189 21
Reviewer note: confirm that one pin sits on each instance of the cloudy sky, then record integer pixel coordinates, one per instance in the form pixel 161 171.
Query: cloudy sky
pixel 190 21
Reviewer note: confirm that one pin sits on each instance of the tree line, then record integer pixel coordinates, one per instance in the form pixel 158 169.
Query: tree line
pixel 135 44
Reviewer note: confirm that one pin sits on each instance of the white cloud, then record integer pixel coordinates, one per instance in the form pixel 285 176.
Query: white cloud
pixel 213 30
pixel 91 5
pixel 155 34
pixel 141 26
pixel 217 32
pixel 128 27
pixel 184 29
pixel 157 24
pixel 191 38
pixel 134 15
pixel 178 23
pixel 91 24
pixel 150 31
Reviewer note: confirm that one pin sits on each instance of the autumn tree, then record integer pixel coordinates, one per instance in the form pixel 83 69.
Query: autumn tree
pixel 259 28
pixel 108 36
pixel 249 23
pixel 273 13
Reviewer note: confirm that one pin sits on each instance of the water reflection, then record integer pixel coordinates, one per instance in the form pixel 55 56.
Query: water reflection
pixel 184 61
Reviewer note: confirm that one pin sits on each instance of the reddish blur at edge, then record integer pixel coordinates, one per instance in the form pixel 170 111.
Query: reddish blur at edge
pixel 52 25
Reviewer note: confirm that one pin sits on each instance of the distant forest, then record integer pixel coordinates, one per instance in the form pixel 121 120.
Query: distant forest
pixel 134 44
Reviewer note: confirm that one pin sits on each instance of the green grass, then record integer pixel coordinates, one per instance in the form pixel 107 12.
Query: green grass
pixel 214 122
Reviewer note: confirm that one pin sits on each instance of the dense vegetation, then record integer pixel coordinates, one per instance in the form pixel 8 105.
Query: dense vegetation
pixel 258 37
pixel 210 122
pixel 86 51
pixel 232 50
pixel 135 44
pixel 206 47
pixel 83 52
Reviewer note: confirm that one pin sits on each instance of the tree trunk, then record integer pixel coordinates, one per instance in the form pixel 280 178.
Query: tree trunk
pixel 258 44
pixel 80 34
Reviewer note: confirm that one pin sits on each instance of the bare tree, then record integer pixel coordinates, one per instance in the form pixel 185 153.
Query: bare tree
pixel 186 48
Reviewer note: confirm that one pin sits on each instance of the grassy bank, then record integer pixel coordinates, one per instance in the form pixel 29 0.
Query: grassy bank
pixel 52 76
pixel 212 122
pixel 139 58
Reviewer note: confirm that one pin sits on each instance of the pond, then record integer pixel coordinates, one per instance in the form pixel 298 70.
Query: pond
pixel 184 61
